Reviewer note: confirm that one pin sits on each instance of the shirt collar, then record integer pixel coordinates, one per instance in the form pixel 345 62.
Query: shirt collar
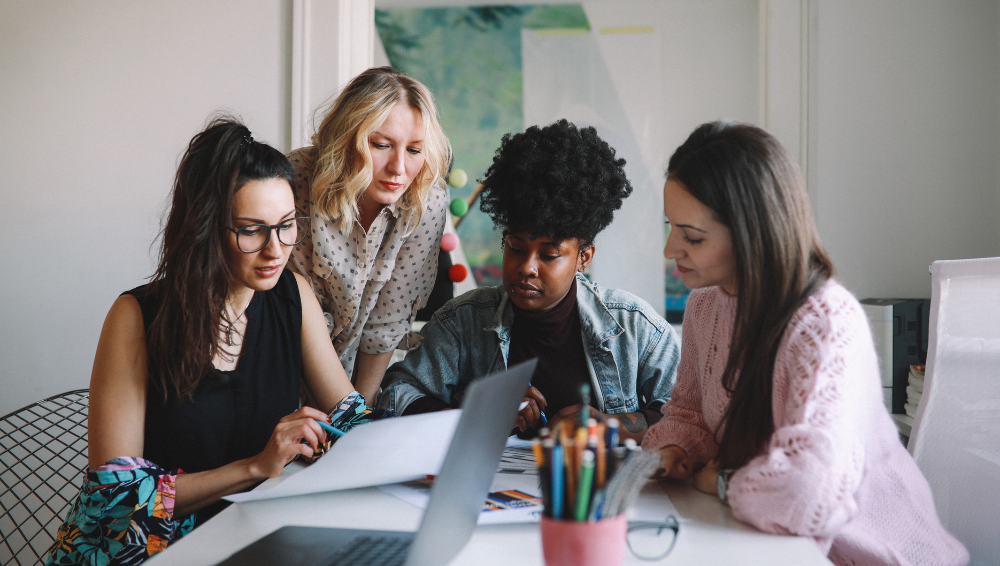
pixel 596 320
pixel 394 209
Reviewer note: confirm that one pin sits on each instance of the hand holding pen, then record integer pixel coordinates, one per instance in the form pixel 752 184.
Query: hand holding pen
pixel 534 412
pixel 297 434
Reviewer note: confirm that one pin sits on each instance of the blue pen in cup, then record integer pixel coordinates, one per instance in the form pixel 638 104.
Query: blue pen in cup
pixel 331 429
pixel 545 421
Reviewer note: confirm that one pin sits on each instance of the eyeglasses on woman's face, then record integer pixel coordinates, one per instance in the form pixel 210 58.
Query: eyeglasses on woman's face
pixel 652 540
pixel 255 237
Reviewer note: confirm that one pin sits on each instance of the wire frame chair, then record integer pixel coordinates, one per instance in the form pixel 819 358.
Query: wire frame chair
pixel 43 459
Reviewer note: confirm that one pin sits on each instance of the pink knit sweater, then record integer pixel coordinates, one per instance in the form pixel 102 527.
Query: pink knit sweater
pixel 834 469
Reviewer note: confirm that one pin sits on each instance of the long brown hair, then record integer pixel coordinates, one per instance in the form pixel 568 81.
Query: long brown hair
pixel 755 188
pixel 342 169
pixel 193 274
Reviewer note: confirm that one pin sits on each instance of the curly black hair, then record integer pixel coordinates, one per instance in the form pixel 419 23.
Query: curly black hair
pixel 557 181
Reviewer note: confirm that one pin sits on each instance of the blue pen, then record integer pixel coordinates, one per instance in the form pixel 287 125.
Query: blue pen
pixel 545 421
pixel 557 482
pixel 612 428
pixel 330 429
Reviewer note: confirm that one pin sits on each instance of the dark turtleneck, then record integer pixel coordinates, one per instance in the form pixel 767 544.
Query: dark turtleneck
pixel 555 338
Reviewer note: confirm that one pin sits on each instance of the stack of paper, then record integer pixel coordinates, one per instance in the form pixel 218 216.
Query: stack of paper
pixel 914 389
pixel 378 453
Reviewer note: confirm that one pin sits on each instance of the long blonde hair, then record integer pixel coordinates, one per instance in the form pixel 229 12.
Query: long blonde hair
pixel 342 169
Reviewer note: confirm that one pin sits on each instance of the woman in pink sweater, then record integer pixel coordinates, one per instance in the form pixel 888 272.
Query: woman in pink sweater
pixel 778 403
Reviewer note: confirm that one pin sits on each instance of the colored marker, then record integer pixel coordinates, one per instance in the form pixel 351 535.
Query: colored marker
pixel 583 492
pixel 331 429
pixel 612 445
pixel 613 425
pixel 557 482
pixel 584 404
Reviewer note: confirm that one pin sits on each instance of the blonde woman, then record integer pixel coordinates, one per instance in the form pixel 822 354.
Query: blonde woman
pixel 371 184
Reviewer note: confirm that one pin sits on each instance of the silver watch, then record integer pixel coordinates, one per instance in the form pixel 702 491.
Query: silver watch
pixel 722 484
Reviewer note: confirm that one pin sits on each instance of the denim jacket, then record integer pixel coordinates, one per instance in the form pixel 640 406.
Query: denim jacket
pixel 632 353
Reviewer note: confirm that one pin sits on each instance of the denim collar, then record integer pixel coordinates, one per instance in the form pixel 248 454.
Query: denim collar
pixel 596 321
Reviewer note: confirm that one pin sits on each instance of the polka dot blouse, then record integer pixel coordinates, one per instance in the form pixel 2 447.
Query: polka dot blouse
pixel 369 284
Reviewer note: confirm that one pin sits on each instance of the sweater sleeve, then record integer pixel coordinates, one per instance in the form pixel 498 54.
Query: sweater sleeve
pixel 683 422
pixel 804 482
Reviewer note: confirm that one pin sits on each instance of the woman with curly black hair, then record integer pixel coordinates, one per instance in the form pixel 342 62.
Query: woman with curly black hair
pixel 550 191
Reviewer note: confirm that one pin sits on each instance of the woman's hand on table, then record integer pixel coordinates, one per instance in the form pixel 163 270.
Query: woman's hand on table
pixel 286 442
pixel 674 463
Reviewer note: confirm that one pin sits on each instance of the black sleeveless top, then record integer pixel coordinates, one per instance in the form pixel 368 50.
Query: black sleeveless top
pixel 231 414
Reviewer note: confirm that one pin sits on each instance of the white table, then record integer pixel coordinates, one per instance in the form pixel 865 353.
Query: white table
pixel 710 535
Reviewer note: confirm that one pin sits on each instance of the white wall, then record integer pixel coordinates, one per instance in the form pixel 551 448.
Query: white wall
pixel 707 58
pixel 98 101
pixel 907 138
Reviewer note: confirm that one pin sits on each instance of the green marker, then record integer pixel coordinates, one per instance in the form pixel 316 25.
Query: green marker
pixel 583 490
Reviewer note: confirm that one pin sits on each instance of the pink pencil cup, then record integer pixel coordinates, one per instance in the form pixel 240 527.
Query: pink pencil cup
pixel 572 543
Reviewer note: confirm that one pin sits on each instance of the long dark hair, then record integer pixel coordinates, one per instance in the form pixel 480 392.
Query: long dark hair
pixel 755 188
pixel 193 274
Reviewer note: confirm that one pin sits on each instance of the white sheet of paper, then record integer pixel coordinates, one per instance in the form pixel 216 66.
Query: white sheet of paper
pixel 382 452
pixel 515 442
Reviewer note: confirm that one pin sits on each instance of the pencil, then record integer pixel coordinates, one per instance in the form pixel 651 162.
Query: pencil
pixel 601 468
pixel 536 448
pixel 570 473
pixel 579 445
pixel 545 475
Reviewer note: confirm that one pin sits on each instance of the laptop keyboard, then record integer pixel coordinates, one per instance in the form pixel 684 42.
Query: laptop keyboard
pixel 371 551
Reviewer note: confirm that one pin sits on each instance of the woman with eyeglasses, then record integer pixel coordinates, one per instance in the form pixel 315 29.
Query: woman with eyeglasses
pixel 778 405
pixel 195 388
pixel 371 185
